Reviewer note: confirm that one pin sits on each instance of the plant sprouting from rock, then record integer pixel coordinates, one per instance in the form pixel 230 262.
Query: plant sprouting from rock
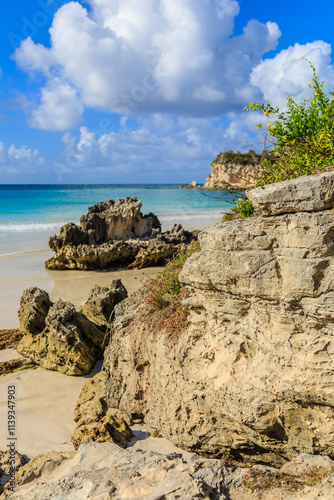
pixel 302 135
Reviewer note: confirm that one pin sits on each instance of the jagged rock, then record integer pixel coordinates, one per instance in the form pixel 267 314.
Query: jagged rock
pixel 234 173
pixel 95 421
pixel 10 462
pixel 103 470
pixel 304 194
pixel 69 343
pixel 114 234
pixel 251 378
pixel 102 300
pixel 34 307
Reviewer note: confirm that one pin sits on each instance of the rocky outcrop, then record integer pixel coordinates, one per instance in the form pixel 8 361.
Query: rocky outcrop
pixel 306 194
pixel 251 378
pixel 102 300
pixel 9 338
pixel 105 471
pixel 192 185
pixel 13 365
pixel 10 462
pixel 234 171
pixel 95 421
pixel 58 337
pixel 112 234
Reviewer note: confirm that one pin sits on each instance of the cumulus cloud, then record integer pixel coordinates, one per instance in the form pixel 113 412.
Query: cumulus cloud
pixel 15 160
pixel 289 71
pixel 159 148
pixel 131 57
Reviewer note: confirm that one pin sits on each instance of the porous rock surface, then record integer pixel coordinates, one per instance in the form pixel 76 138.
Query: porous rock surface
pixel 251 378
pixel 58 337
pixel 106 471
pixel 115 233
pixel 102 300
pixel 94 420
pixel 304 194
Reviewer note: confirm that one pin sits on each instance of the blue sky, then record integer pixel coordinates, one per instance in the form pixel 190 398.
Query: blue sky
pixel 123 91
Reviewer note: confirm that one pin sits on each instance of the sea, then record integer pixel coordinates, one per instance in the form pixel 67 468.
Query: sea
pixel 29 214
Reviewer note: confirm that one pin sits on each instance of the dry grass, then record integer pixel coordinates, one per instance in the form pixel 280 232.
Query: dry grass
pixel 164 294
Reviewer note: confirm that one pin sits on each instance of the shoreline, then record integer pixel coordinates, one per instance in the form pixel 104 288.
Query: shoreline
pixel 25 268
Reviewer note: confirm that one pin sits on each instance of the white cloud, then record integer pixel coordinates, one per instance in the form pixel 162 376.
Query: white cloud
pixel 132 57
pixel 170 148
pixel 16 160
pixel 288 72
pixel 60 108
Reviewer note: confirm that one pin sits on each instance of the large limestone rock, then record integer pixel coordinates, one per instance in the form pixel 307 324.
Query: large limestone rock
pixel 58 337
pixel 304 194
pixel 95 421
pixel 252 376
pixel 115 233
pixel 103 470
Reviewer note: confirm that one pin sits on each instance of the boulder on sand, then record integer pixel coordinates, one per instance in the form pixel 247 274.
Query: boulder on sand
pixel 58 337
pixel 112 234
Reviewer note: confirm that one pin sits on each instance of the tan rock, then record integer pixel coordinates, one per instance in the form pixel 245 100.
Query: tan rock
pixel 251 379
pixel 95 421
pixel 227 174
pixel 305 194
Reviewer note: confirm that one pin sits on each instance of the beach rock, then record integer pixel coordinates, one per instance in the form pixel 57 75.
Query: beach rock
pixel 234 171
pixel 104 470
pixel 95 421
pixel 102 300
pixel 10 462
pixel 15 364
pixel 58 337
pixel 251 378
pixel 113 234
pixel 34 307
pixel 9 338
pixel 69 343
pixel 305 194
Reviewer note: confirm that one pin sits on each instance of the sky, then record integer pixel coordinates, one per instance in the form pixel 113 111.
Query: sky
pixel 149 91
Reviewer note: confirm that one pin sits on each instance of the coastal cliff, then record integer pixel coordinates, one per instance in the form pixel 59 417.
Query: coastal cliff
pixel 234 171
pixel 251 377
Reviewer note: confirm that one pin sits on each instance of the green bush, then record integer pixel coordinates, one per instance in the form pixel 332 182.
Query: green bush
pixel 303 135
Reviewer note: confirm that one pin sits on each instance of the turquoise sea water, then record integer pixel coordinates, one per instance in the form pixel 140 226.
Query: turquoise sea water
pixel 28 213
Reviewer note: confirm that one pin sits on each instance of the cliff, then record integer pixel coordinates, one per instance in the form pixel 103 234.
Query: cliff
pixel 251 377
pixel 234 171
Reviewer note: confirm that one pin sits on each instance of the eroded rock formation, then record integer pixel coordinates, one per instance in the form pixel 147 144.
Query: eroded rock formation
pixel 234 171
pixel 95 421
pixel 58 337
pixel 251 378
pixel 106 471
pixel 115 233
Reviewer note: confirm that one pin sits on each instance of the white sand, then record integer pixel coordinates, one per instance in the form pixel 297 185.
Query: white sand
pixel 19 273
pixel 45 402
